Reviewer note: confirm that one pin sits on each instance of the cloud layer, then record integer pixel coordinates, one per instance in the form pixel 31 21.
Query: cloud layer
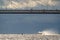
pixel 27 4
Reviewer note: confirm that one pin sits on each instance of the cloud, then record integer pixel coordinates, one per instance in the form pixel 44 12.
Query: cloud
pixel 27 3
pixel 49 32
pixel 21 5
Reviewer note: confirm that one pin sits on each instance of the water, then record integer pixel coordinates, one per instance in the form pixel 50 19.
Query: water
pixel 28 22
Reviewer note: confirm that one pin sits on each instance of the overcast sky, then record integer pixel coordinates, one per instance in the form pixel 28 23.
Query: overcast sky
pixel 29 23
pixel 28 4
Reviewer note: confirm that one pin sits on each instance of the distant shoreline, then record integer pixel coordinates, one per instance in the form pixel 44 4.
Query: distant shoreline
pixel 30 11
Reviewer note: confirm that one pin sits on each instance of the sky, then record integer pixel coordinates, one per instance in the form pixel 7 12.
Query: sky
pixel 30 4
pixel 29 23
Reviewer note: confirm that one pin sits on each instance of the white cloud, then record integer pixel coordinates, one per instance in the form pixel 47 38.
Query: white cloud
pixel 48 32
pixel 14 4
pixel 22 4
